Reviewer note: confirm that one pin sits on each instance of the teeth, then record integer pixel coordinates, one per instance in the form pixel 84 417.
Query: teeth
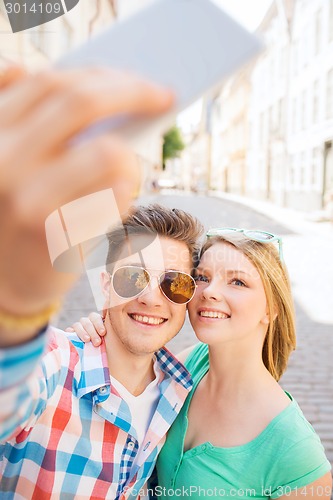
pixel 213 314
pixel 148 320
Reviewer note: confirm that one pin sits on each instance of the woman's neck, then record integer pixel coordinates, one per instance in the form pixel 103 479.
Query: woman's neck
pixel 236 368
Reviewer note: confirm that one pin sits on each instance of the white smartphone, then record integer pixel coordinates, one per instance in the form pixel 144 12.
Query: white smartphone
pixel 187 45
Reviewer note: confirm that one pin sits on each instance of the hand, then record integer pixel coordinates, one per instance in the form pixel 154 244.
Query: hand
pixel 89 329
pixel 40 171
pixel 11 74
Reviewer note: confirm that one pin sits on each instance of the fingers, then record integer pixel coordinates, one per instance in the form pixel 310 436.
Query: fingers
pixel 98 93
pixel 99 164
pixel 89 329
pixel 41 169
pixel 86 331
pixel 81 331
pixel 98 323
pixel 11 74
pixel 23 95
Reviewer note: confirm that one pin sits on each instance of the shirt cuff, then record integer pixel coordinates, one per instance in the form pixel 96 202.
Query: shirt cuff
pixel 17 363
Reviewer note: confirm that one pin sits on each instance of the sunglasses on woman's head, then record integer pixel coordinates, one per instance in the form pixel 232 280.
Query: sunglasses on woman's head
pixel 252 234
pixel 130 281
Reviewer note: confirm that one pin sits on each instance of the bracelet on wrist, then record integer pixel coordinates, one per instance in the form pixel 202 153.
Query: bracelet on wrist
pixel 18 322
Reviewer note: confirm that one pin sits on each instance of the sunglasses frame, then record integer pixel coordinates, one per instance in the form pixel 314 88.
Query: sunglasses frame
pixel 158 280
pixel 219 231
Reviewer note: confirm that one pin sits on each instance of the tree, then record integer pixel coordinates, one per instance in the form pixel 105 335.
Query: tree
pixel 173 144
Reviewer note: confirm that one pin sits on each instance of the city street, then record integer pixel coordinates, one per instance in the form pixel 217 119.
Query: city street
pixel 308 247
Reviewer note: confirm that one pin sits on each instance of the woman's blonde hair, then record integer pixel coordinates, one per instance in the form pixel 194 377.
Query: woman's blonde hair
pixel 280 338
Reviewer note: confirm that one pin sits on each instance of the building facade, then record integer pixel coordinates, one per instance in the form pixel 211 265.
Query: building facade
pixel 272 122
pixel 39 46
pixel 230 134
pixel 267 156
pixel 310 118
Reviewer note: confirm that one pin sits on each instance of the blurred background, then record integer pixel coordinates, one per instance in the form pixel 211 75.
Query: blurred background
pixel 266 134
pixel 256 154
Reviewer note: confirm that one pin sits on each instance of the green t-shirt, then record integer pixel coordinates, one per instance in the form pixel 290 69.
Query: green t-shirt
pixel 286 454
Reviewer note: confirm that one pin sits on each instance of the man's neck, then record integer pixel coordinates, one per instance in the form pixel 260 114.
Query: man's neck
pixel 133 371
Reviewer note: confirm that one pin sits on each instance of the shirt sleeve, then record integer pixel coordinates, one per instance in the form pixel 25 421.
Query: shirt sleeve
pixel 300 465
pixel 28 376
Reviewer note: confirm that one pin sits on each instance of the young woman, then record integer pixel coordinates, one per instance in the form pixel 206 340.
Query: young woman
pixel 239 435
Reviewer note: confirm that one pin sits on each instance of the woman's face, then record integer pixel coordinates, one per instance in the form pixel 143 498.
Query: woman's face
pixel 230 302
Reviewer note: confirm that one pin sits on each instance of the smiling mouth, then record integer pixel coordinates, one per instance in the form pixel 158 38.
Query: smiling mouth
pixel 213 314
pixel 147 320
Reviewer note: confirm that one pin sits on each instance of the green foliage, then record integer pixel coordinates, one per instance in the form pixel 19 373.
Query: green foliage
pixel 173 144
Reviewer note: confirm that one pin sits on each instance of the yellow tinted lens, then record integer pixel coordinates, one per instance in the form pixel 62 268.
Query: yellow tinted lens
pixel 178 287
pixel 130 281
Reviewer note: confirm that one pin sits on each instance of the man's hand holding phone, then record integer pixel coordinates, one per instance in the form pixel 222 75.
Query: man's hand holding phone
pixel 41 169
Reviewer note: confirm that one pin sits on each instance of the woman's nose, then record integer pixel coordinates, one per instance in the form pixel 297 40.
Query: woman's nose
pixel 213 291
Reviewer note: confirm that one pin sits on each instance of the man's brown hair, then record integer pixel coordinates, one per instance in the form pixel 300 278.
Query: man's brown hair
pixel 151 221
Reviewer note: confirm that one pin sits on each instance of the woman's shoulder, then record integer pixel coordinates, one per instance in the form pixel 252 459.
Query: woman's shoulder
pixel 196 360
pixel 191 352
pixel 292 431
pixel 292 420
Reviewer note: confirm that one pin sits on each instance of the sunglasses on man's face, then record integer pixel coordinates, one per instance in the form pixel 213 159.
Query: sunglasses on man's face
pixel 130 281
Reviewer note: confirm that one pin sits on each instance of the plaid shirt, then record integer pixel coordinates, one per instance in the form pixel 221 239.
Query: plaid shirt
pixel 65 430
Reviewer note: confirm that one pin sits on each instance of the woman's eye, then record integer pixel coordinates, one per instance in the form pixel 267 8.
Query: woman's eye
pixel 237 282
pixel 201 278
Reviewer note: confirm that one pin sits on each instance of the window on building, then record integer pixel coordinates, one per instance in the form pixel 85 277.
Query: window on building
pixel 304 47
pixel 280 118
pixel 315 104
pixel 295 57
pixel 262 128
pixel 329 95
pixel 315 166
pixel 303 110
pixel 283 62
pixel 270 120
pixel 302 170
pixel 294 115
pixel 318 31
pixel 298 114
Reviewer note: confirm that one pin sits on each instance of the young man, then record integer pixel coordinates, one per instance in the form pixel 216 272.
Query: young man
pixel 87 423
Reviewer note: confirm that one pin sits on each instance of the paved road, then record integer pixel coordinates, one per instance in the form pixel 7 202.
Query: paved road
pixel 309 376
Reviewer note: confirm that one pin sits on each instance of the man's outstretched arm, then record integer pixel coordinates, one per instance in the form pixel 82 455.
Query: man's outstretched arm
pixel 41 170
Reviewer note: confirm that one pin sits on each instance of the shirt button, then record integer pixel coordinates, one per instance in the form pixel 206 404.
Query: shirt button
pixel 146 446
pixel 131 444
pixel 102 390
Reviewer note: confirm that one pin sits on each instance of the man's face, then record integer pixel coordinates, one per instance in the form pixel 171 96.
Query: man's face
pixel 144 324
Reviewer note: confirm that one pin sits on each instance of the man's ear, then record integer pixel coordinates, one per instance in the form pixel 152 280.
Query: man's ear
pixel 105 285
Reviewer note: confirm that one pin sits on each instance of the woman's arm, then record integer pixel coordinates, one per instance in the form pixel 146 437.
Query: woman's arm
pixel 89 329
pixel 320 489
